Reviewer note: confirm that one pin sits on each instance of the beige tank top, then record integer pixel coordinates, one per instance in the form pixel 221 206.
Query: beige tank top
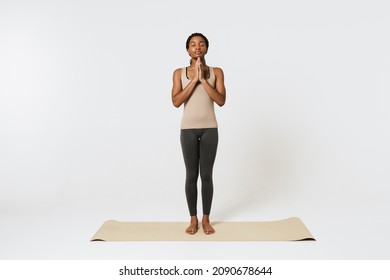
pixel 199 108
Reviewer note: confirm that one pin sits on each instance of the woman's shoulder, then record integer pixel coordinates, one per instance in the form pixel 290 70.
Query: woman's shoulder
pixel 217 70
pixel 177 71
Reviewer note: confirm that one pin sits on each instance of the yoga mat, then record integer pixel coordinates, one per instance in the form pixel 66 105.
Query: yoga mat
pixel 291 229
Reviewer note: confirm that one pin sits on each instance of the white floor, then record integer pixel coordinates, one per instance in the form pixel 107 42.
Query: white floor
pixel 61 229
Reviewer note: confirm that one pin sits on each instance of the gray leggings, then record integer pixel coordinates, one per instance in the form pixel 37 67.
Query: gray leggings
pixel 199 148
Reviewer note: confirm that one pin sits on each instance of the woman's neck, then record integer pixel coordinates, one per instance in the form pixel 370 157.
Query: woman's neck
pixel 193 61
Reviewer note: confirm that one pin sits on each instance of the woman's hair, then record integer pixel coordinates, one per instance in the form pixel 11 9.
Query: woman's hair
pixel 196 34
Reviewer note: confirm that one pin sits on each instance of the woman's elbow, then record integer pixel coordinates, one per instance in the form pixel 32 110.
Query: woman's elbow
pixel 175 103
pixel 221 102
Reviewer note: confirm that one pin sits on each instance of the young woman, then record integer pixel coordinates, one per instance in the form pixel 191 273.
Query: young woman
pixel 198 87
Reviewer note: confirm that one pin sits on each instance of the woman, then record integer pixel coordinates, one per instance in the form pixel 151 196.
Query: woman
pixel 198 86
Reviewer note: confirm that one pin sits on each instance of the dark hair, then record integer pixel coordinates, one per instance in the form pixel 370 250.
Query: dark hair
pixel 196 34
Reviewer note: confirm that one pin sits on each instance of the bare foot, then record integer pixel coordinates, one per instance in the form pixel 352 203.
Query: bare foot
pixel 207 228
pixel 193 228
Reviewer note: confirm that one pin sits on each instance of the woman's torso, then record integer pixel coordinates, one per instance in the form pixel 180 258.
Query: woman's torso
pixel 199 108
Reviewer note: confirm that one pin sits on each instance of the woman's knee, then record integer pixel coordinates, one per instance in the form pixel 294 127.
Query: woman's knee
pixel 192 177
pixel 206 177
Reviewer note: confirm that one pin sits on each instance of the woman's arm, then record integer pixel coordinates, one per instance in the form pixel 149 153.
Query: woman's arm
pixel 180 95
pixel 218 94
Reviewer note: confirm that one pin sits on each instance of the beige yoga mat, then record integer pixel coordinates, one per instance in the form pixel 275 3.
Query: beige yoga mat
pixel 291 229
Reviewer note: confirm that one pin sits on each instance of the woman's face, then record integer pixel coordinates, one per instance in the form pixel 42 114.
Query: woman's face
pixel 197 47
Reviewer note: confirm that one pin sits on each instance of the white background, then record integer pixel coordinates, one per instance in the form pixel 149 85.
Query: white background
pixel 88 132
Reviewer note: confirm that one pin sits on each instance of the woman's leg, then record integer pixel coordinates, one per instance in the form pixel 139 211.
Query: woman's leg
pixel 190 147
pixel 208 152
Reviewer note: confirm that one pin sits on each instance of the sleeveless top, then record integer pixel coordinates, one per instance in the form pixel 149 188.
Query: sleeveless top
pixel 199 108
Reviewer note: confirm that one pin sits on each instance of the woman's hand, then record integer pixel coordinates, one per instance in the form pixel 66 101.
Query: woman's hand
pixel 199 70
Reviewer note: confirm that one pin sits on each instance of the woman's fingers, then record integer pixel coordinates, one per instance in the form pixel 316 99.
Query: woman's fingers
pixel 200 71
